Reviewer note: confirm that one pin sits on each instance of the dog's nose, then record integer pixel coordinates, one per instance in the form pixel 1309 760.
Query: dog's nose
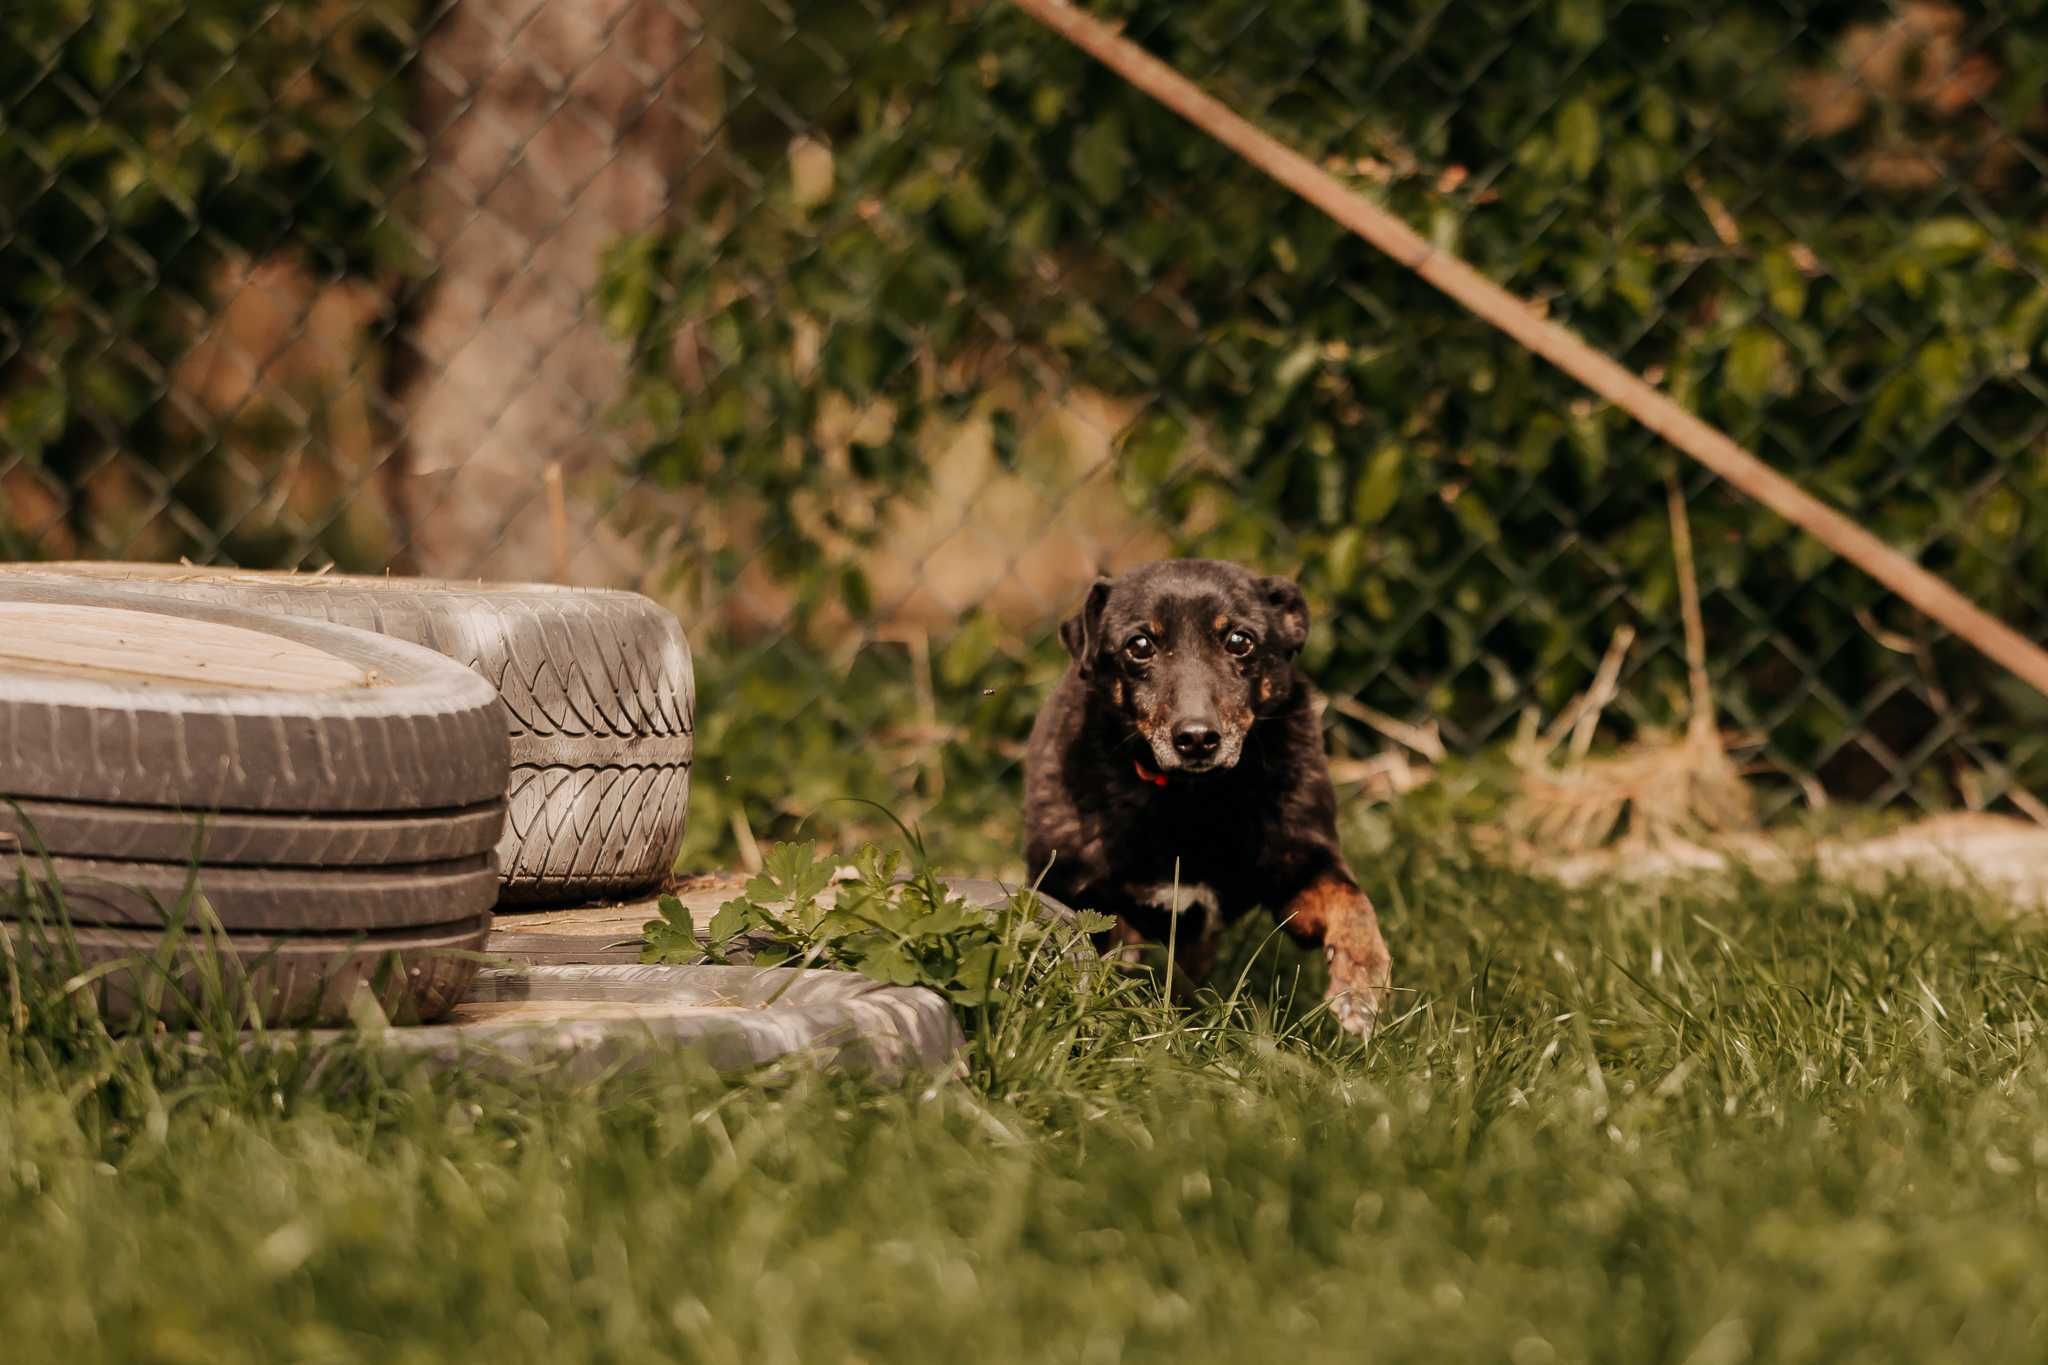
pixel 1195 739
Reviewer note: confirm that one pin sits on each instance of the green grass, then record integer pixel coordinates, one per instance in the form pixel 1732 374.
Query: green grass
pixel 1793 1123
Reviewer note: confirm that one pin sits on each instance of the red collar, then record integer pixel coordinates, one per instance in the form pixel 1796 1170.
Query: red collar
pixel 1145 774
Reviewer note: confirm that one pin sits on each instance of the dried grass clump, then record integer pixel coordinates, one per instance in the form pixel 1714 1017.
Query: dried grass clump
pixel 1661 789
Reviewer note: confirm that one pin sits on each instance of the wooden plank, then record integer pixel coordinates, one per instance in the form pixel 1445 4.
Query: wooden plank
pixel 109 644
pixel 607 932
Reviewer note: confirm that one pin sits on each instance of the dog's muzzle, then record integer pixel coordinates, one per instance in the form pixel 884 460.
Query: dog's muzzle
pixel 1195 746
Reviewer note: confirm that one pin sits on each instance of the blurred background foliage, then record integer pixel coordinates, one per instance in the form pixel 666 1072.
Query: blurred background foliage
pixel 1822 233
pixel 151 152
pixel 948 319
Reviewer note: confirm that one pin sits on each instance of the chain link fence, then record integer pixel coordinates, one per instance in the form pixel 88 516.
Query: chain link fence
pixel 866 335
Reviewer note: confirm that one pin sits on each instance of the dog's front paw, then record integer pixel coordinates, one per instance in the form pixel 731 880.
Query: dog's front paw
pixel 1361 981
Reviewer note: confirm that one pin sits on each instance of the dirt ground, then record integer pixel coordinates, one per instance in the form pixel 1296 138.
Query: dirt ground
pixel 2004 856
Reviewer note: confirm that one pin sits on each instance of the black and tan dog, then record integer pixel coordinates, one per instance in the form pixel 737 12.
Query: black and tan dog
pixel 1182 740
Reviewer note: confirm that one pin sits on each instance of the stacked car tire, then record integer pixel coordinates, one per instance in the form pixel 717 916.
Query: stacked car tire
pixel 178 779
pixel 596 690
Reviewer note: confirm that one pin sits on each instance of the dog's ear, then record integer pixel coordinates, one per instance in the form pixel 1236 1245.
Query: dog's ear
pixel 1082 634
pixel 1286 613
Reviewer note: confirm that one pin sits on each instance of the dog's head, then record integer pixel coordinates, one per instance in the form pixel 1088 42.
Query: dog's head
pixel 1192 652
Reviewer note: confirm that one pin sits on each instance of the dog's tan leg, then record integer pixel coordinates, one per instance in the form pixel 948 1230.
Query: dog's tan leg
pixel 1333 914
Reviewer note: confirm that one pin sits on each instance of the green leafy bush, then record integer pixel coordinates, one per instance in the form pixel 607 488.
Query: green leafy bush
pixel 1470 525
pixel 143 143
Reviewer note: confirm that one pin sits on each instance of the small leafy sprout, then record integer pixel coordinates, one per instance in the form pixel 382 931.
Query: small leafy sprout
pixel 897 927
pixel 671 940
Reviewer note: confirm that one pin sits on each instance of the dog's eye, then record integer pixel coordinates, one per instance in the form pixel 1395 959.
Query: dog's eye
pixel 1140 647
pixel 1238 642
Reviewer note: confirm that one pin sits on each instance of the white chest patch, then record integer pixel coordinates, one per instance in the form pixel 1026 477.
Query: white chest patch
pixel 1174 899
